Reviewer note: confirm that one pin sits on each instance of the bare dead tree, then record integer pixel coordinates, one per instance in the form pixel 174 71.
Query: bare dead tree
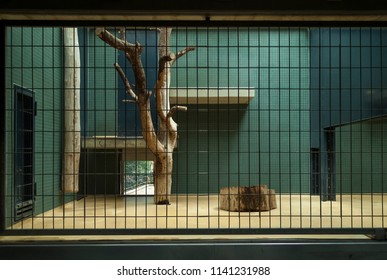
pixel 162 142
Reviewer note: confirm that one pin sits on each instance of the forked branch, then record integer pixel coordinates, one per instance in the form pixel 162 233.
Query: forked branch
pixel 115 42
pixel 126 82
pixel 172 126
pixel 174 109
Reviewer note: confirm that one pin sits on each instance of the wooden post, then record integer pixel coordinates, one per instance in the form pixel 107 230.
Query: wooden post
pixel 72 122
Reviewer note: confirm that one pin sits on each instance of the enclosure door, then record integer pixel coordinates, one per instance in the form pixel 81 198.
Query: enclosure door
pixel 24 153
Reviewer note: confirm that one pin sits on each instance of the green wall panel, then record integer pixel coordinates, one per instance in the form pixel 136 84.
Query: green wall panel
pixel 361 157
pixel 34 61
pixel 265 142
pixel 101 87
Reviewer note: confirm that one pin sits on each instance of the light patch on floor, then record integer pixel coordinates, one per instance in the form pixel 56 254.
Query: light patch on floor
pixel 148 189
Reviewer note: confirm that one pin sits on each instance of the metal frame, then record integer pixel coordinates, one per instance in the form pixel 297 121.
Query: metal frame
pixel 249 249
pixel 200 9
pixel 210 249
pixel 2 127
pixel 374 233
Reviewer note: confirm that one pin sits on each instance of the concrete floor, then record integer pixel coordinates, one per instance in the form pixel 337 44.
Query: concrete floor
pixel 148 189
pixel 186 212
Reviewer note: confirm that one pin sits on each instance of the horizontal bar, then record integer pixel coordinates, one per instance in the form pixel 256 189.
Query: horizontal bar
pixel 190 231
pixel 190 250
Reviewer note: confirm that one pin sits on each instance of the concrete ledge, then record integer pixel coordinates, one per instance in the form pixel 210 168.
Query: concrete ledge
pixel 211 95
pixel 113 142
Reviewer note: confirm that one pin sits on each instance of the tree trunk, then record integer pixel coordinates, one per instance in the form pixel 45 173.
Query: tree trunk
pixel 72 123
pixel 163 143
pixel 163 178
pixel 167 131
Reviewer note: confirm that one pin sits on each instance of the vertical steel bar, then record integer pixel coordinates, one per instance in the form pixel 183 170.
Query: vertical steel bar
pixel 382 68
pixel 2 128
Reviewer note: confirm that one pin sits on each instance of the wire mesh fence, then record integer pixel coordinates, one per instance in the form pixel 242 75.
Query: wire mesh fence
pixel 218 128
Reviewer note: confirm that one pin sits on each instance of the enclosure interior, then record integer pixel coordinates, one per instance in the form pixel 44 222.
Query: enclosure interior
pixel 301 110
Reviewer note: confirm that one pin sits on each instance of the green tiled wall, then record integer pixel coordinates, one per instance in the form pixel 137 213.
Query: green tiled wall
pixel 33 61
pixel 265 142
pixel 361 157
pixel 101 87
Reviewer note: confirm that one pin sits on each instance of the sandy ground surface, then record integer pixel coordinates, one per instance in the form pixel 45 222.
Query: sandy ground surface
pixel 186 212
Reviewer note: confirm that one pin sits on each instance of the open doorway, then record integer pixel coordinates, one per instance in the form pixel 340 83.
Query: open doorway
pixel 138 177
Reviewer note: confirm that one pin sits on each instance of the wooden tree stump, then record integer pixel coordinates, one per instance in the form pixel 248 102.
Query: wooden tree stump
pixel 242 199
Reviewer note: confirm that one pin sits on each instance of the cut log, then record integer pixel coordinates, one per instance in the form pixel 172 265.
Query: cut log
pixel 243 199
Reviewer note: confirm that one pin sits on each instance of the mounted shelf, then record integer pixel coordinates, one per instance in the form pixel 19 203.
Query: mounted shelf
pixel 113 142
pixel 211 95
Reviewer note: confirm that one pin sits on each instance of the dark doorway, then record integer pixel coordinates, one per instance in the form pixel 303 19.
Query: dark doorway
pixel 24 152
pixel 101 172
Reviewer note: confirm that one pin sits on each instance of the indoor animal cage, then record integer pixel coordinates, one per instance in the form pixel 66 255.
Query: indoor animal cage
pixel 295 112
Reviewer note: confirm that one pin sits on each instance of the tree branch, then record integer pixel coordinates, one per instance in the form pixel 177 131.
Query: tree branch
pixel 126 82
pixel 163 61
pixel 183 52
pixel 172 126
pixel 115 42
pixel 122 32
pixel 176 108
pixel 164 41
pixel 154 28
pixel 129 101
pixel 162 84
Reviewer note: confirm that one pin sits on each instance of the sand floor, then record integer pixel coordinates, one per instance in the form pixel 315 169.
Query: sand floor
pixel 191 212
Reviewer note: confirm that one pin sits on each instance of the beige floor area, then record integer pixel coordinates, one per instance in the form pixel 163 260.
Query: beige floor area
pixel 193 211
